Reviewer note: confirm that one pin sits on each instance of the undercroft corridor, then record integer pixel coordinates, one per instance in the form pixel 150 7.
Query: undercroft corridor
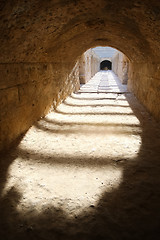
pixel 79 120
pixel 89 170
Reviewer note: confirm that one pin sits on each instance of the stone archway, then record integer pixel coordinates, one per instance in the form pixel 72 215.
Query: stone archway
pixel 106 65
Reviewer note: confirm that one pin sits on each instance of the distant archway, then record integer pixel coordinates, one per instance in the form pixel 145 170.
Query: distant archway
pixel 106 65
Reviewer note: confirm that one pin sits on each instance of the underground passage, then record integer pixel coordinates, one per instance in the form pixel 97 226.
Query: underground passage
pixel 106 65
pixel 79 145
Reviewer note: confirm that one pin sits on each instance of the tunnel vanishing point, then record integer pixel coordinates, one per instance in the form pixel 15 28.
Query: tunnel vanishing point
pixel 41 41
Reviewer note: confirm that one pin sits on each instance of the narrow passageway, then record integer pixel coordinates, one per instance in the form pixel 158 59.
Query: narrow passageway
pixel 89 170
pixel 104 81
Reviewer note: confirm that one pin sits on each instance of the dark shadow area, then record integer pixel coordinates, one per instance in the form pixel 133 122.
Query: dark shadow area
pixel 90 113
pixel 129 212
pixel 93 105
pixel 104 91
pixel 78 96
pixel 106 65
pixel 70 123
pixel 70 128
pixel 78 160
pixel 6 158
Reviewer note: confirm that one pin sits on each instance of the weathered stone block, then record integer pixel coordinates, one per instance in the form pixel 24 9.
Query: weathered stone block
pixel 9 99
pixel 42 85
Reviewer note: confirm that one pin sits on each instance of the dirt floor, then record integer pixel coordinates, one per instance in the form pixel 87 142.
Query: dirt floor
pixel 89 170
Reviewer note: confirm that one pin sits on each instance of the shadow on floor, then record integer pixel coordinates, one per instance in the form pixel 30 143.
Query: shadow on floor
pixel 129 212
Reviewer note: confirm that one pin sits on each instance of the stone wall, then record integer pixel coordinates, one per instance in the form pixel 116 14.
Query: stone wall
pixel 120 65
pixel 88 65
pixel 144 81
pixel 27 92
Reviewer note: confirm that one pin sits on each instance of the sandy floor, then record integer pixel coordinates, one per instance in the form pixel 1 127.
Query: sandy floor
pixel 90 170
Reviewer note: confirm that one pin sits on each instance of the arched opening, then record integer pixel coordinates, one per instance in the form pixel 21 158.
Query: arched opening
pixel 103 58
pixel 106 65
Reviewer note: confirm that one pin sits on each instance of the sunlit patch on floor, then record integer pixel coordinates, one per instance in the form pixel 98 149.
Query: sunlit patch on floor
pixel 74 155
pixel 68 187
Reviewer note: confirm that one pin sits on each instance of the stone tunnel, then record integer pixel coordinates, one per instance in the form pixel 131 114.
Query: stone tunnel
pixel 41 46
pixel 41 42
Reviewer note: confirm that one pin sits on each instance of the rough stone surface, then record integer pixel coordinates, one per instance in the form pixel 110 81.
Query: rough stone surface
pixel 88 66
pixel 144 81
pixel 120 65
pixel 28 91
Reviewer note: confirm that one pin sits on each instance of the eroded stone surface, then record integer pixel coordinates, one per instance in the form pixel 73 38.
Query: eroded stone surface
pixel 36 30
pixel 88 66
pixel 32 91
pixel 120 65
